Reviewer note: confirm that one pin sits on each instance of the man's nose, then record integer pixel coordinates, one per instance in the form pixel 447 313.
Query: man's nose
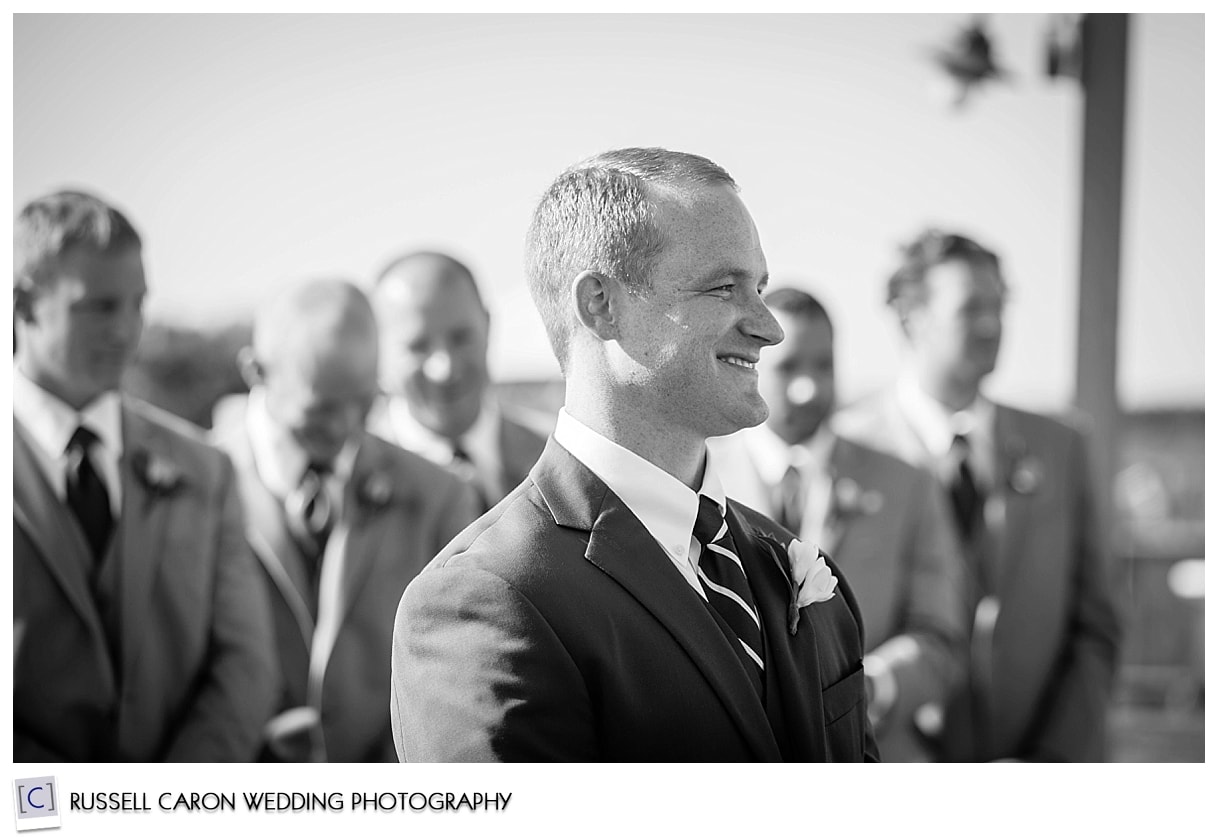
pixel 438 368
pixel 761 324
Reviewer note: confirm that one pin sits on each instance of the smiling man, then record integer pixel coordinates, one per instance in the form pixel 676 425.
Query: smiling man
pixel 434 331
pixel 615 606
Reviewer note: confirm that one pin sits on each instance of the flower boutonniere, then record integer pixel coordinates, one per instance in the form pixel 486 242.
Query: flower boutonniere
pixel 159 475
pixel 1026 475
pixel 812 580
pixel 376 490
pixel 850 499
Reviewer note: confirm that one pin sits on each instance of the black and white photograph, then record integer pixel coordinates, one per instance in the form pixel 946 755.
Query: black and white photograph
pixel 664 390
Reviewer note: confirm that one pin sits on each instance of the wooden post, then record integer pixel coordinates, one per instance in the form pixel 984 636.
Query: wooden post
pixel 1105 39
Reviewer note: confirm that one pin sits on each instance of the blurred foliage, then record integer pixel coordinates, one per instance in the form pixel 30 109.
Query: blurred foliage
pixel 186 370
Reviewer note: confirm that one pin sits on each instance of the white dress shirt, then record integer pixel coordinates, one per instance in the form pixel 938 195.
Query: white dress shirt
pixel 48 424
pixel 480 442
pixel 665 506
pixel 937 427
pixel 771 456
pixel 280 465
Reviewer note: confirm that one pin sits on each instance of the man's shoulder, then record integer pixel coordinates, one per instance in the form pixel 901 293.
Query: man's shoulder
pixel 1068 426
pixel 868 420
pixel 518 539
pixel 162 433
pixel 432 478
pixel 862 460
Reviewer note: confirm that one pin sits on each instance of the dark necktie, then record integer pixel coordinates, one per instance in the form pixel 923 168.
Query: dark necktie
pixel 966 496
pixel 727 588
pixel 310 513
pixel 791 500
pixel 468 471
pixel 87 495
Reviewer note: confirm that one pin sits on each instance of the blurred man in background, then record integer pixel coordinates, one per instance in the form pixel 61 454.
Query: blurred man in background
pixel 140 623
pixel 434 331
pixel 1044 629
pixel 881 519
pixel 340 520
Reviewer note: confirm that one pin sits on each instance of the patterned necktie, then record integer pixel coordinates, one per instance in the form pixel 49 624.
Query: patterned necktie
pixel 791 500
pixel 464 465
pixel 967 499
pixel 727 588
pixel 310 512
pixel 87 495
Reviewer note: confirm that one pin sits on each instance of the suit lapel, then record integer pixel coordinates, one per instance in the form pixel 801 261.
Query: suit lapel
pixel 351 552
pixel 793 688
pixel 621 547
pixel 267 533
pixel 1009 447
pixel 60 542
pixel 140 536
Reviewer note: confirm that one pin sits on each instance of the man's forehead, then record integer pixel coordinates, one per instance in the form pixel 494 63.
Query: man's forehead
pixel 965 275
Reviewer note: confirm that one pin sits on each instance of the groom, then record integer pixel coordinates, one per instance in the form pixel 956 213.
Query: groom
pixel 615 606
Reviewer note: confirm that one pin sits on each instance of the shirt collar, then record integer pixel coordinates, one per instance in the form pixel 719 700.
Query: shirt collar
pixel 480 441
pixel 281 465
pixel 665 506
pixel 50 422
pixel 938 426
pixel 772 455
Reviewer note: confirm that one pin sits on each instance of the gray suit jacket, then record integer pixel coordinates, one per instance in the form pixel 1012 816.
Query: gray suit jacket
pixel 520 444
pixel 398 512
pixel 905 566
pixel 192 618
pixel 1045 630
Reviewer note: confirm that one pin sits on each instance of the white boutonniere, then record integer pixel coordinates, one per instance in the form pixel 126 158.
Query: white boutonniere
pixel 159 475
pixel 1026 475
pixel 850 499
pixel 812 580
pixel 376 490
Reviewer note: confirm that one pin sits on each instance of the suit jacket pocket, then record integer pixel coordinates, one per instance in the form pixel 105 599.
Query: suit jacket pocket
pixel 844 709
pixel 843 695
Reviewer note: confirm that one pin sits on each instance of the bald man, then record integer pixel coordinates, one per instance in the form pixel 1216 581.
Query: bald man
pixel 341 521
pixel 434 331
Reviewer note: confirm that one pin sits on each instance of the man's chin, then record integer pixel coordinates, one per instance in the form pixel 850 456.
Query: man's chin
pixel 745 416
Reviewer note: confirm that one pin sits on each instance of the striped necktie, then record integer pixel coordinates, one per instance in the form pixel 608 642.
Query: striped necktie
pixel 727 588
pixel 310 513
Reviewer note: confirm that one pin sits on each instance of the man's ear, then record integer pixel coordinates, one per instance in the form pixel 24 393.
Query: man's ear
pixel 23 303
pixel 250 367
pixel 592 294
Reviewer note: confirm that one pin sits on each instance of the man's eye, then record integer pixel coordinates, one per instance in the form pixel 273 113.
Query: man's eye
pixel 722 290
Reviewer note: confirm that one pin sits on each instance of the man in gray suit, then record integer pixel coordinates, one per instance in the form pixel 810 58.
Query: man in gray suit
pixel 881 519
pixel 142 630
pixel 1044 629
pixel 434 331
pixel 340 520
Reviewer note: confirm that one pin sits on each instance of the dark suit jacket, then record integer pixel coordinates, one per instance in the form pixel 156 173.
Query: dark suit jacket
pixel 398 511
pixel 197 679
pixel 555 628
pixel 1042 673
pixel 905 566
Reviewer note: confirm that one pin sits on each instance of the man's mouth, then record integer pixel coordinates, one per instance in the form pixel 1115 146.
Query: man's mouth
pixel 742 362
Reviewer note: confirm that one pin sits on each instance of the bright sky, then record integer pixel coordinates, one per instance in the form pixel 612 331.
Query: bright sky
pixel 251 150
